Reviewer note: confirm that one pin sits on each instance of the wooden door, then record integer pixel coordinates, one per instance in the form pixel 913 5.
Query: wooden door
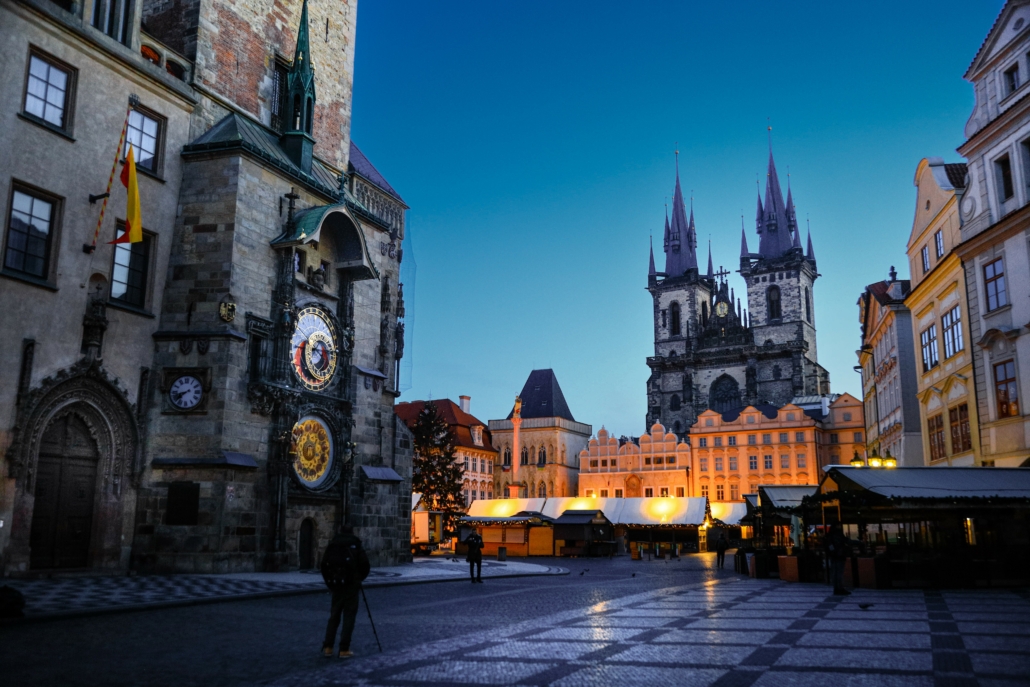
pixel 66 476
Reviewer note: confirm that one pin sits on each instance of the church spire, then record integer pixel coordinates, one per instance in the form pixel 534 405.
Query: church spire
pixel 650 268
pixel 296 139
pixel 665 245
pixel 711 272
pixel 811 252
pixel 744 252
pixel 775 238
pixel 680 255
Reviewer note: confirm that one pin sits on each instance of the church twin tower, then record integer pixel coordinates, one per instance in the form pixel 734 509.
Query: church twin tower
pixel 712 353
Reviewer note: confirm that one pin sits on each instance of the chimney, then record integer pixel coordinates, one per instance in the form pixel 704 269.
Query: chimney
pixel 465 402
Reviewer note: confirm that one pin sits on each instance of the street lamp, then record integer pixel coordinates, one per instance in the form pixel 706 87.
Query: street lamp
pixel 857 462
pixel 875 461
pixel 890 461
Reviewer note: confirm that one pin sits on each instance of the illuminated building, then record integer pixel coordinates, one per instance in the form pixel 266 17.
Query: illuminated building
pixel 655 464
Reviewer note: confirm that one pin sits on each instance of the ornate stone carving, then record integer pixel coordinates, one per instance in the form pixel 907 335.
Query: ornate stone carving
pixel 94 324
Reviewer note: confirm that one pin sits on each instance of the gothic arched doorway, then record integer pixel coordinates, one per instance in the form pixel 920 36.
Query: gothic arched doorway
pixel 66 477
pixel 724 394
pixel 306 544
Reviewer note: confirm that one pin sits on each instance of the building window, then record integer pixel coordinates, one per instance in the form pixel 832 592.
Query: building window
pixel 590 493
pixel 938 243
pixel 1003 178
pixel 951 323
pixel 958 418
pixel 733 463
pixel 648 492
pixel 144 135
pixel 47 92
pixel 925 255
pixel 541 456
pixel 751 419
pixel 733 441
pixel 734 492
pixel 720 492
pixel 994 283
pixel 702 442
pixel 718 464
pixel 669 460
pixel 618 493
pixel 1011 79
pixel 718 441
pixel 466 463
pixel 647 460
pixel 709 422
pixel 674 402
pixel 768 461
pixel 784 462
pixel 507 456
pixel 1005 389
pixel 663 492
pixel 790 417
pixel 935 430
pixel 752 462
pixel 704 490
pixel 767 438
pixel 541 492
pixel 477 432
pixel 847 416
pixel 703 464
pixel 799 436
pixel 278 104
pixel 928 341
pixel 858 437
pixel 114 18
pixel 604 493
pixel 784 437
pixel 772 297
pixel 808 306
pixel 680 492
pixel 752 439
pixel 674 314
pixel 524 457
pixel 802 461
pixel 29 234
pixel 131 270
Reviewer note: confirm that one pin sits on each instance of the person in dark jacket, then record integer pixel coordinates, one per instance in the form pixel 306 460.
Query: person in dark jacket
pixel 720 550
pixel 344 566
pixel 837 546
pixel 475 556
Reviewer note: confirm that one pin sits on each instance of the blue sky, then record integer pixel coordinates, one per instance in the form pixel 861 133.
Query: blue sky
pixel 534 143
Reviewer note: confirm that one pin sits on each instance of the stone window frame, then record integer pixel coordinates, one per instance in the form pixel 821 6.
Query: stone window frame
pixel 53 237
pixel 150 242
pixel 938 243
pixel 675 319
pixel 773 313
pixel 935 436
pixel 958 423
pixel 68 106
pixel 1010 383
pixel 924 255
pixel 752 463
pixel 720 492
pixel 995 284
pixel 734 492
pixel 157 171
pixel 951 327
pixel 732 463
pixel 928 346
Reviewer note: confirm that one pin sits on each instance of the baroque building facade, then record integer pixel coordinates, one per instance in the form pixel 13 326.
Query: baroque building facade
pixel 995 212
pixel 655 464
pixel 941 351
pixel 220 395
pixel 889 379
pixel 711 352
pixel 539 442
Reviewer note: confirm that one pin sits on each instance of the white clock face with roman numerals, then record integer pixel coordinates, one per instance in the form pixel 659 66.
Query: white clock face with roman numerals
pixel 186 392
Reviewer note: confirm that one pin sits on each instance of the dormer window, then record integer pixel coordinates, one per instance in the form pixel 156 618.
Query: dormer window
pixel 1011 79
pixel 477 435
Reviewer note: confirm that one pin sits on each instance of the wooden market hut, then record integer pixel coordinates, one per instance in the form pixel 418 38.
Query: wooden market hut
pixel 584 533
pixel 778 505
pixel 931 527
pixel 525 533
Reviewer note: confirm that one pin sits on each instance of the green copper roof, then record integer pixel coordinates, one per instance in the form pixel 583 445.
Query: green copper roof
pixel 307 227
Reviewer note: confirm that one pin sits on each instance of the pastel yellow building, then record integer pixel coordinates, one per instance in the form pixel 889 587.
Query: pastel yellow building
pixel 940 322
pixel 656 464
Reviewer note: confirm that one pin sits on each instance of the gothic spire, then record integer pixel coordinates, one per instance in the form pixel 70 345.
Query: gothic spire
pixel 711 272
pixel 296 139
pixel 811 252
pixel 666 244
pixel 744 252
pixel 650 268
pixel 776 237
pixel 680 256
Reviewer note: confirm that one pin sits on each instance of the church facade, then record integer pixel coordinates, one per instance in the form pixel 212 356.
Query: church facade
pixel 711 350
pixel 218 397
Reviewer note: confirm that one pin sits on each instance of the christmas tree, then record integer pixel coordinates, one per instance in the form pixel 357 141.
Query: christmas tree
pixel 436 474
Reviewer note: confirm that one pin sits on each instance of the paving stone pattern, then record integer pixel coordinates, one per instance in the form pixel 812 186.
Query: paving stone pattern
pixel 733 633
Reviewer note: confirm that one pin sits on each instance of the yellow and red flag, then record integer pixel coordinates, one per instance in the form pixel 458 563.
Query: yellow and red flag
pixel 133 225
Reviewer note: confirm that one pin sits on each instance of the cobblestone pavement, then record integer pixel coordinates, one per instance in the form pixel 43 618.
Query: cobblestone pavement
pixel 48 598
pixel 608 622
pixel 733 633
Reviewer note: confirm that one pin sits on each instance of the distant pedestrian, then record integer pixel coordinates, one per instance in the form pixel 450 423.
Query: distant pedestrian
pixel 344 566
pixel 720 550
pixel 475 556
pixel 837 547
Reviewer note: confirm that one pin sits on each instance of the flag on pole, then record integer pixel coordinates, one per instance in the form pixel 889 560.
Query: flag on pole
pixel 133 227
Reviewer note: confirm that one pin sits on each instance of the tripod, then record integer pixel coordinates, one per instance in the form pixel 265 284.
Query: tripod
pixel 369 611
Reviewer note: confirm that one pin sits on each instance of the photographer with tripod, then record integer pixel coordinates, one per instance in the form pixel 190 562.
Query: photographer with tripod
pixel 344 567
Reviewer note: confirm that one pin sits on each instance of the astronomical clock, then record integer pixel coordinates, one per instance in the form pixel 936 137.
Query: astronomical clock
pixel 314 348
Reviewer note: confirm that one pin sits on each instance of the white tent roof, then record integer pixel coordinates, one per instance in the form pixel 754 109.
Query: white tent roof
pixel 729 513
pixel 415 498
pixel 927 482
pixel 632 511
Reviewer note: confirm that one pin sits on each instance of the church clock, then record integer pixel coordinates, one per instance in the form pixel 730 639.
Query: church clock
pixel 313 349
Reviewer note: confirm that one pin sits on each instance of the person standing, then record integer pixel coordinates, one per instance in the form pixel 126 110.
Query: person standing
pixel 344 567
pixel 720 550
pixel 837 547
pixel 475 556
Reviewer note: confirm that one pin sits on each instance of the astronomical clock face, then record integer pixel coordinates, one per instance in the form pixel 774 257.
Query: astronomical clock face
pixel 312 449
pixel 186 392
pixel 313 349
pixel 721 309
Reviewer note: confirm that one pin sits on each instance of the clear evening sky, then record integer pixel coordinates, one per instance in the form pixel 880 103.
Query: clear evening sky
pixel 534 143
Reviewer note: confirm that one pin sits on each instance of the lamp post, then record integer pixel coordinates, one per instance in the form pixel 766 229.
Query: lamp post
pixel 890 461
pixel 857 462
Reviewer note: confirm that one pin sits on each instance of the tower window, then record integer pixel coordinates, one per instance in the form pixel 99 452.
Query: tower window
pixel 309 112
pixel 808 306
pixel 674 403
pixel 296 113
pixel 773 301
pixel 674 312
pixel 278 104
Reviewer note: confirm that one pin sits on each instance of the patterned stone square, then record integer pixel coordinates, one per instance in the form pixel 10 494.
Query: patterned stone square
pixel 652 677
pixel 568 651
pixel 473 672
pixel 857 658
pixel 683 654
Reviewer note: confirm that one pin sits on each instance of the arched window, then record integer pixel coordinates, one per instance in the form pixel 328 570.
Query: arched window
pixel 310 114
pixel 541 491
pixel 507 455
pixel 772 298
pixel 296 112
pixel 674 313
pixel 674 404
pixel 541 456
pixel 676 427
pixel 808 306
pixel 524 458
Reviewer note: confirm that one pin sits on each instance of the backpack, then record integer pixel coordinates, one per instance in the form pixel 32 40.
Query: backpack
pixel 340 564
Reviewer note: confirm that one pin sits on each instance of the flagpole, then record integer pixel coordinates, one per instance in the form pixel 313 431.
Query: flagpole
pixel 90 248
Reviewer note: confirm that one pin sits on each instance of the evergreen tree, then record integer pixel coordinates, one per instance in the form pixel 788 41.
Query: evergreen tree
pixel 436 474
